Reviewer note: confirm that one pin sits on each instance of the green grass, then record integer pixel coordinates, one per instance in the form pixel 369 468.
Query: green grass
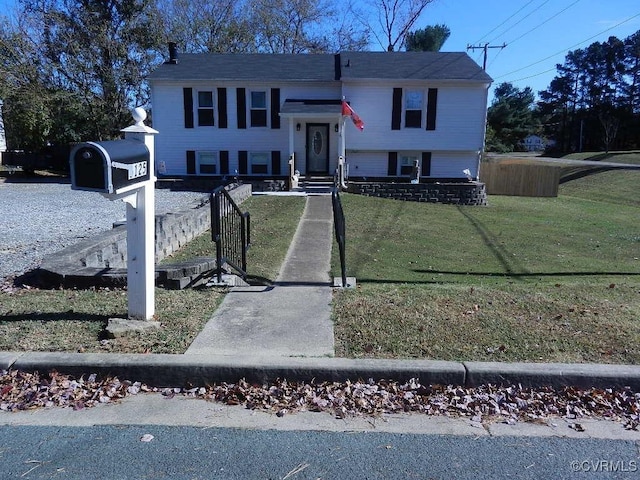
pixel 75 320
pixel 514 239
pixel 632 156
pixel 523 279
pixel 274 220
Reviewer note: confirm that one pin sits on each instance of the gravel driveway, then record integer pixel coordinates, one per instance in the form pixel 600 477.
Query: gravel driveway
pixel 43 217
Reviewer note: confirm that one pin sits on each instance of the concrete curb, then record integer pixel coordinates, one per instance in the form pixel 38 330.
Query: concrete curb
pixel 555 374
pixel 166 370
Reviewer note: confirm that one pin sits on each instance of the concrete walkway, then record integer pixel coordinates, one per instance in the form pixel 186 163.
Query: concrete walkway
pixel 292 318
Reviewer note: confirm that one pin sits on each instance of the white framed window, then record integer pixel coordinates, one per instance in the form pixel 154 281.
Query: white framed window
pixel 205 108
pixel 207 163
pixel 407 161
pixel 259 162
pixel 413 108
pixel 258 108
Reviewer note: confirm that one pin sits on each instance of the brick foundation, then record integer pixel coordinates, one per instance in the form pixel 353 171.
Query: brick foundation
pixel 467 193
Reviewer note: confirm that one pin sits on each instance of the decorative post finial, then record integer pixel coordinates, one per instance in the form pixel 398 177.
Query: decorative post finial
pixel 139 115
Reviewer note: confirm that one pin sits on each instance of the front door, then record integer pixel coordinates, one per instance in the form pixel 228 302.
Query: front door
pixel 318 148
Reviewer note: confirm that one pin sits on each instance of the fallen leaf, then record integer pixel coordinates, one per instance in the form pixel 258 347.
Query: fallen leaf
pixel 147 437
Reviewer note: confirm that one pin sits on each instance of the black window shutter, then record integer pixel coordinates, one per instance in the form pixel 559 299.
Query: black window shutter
pixel 241 97
pixel 242 162
pixel 425 166
pixel 275 108
pixel 224 162
pixel 187 94
pixel 275 162
pixel 392 169
pixel 191 162
pixel 396 112
pixel 432 107
pixel 222 108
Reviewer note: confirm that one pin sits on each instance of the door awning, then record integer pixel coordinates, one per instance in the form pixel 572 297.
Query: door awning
pixel 311 108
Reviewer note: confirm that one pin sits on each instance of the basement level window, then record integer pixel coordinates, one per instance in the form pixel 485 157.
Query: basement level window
pixel 259 163
pixel 207 163
pixel 407 162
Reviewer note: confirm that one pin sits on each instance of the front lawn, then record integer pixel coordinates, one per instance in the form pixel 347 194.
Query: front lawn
pixel 523 279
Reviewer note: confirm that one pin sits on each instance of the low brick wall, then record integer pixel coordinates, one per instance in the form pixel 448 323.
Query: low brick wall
pixel 106 253
pixel 468 193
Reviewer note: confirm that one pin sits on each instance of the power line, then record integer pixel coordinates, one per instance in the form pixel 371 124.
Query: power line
pixel 495 58
pixel 534 75
pixel 521 20
pixel 513 15
pixel 485 47
pixel 540 24
pixel 564 50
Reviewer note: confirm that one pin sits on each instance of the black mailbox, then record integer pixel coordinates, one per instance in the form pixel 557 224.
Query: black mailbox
pixel 109 167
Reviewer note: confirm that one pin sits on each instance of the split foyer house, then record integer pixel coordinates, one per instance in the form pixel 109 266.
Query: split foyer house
pixel 252 114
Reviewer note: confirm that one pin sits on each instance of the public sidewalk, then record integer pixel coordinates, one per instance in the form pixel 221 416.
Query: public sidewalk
pixel 292 318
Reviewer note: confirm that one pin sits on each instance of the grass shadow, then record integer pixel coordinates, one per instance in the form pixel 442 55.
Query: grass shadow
pixel 58 316
pixel 532 274
pixel 504 257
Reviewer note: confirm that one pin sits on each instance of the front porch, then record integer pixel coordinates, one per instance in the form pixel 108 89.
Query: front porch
pixel 316 136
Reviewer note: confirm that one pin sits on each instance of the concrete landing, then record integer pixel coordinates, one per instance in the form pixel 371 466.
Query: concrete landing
pixel 290 318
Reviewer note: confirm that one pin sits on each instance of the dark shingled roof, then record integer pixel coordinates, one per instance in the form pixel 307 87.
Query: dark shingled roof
pixel 249 66
pixel 411 66
pixel 323 67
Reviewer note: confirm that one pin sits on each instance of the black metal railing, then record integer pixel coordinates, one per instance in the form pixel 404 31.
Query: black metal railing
pixel 339 226
pixel 231 232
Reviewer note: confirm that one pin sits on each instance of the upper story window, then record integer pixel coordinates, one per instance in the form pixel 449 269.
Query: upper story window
pixel 413 108
pixel 207 163
pixel 259 108
pixel 205 108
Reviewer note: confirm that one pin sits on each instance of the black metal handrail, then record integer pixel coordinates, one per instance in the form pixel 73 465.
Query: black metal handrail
pixel 340 230
pixel 231 232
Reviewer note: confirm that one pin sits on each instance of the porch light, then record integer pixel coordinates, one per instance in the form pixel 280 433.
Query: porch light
pixel 336 128
pixel 297 127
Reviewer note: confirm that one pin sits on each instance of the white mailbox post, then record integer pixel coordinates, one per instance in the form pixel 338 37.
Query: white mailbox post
pixel 124 170
pixel 141 245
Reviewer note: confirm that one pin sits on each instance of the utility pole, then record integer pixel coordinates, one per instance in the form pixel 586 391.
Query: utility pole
pixel 485 47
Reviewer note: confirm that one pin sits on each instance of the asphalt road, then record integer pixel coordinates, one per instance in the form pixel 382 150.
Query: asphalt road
pixel 180 452
pixel 195 439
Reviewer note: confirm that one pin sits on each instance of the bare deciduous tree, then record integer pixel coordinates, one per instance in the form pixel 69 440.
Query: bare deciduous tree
pixel 199 26
pixel 390 20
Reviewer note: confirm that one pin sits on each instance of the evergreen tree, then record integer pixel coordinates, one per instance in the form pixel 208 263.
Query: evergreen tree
pixel 429 39
pixel 510 117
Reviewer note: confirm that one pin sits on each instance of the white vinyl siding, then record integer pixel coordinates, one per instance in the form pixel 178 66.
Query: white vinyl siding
pixel 460 118
pixel 443 164
pixel 461 114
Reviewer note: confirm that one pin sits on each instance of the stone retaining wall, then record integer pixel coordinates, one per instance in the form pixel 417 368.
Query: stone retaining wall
pixel 468 193
pixel 106 253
